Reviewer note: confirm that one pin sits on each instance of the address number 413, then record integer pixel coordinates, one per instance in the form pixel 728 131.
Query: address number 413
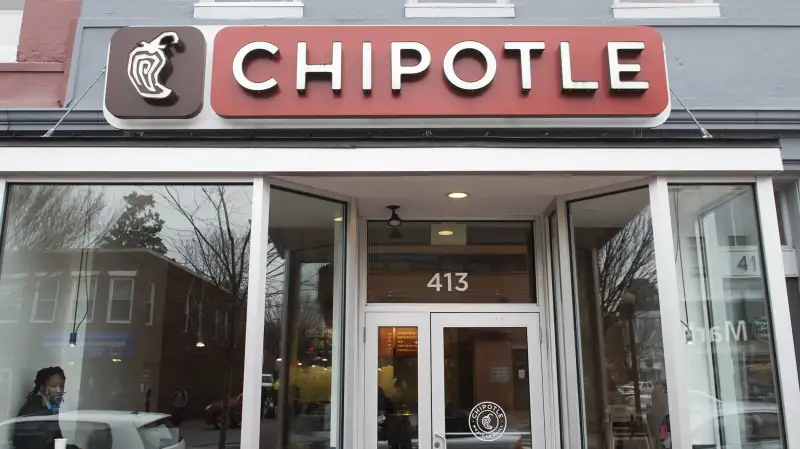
pixel 461 284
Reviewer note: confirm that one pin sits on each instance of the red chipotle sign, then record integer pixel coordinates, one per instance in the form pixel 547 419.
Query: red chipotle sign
pixel 261 77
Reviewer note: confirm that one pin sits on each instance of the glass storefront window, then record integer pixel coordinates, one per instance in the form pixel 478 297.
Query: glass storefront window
pixel 731 378
pixel 108 299
pixel 433 262
pixel 303 331
pixel 621 350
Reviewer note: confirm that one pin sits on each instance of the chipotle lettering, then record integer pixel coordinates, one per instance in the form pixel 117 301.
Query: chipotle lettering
pixel 438 71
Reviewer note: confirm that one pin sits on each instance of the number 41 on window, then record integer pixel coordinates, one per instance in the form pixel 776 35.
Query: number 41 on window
pixel 461 283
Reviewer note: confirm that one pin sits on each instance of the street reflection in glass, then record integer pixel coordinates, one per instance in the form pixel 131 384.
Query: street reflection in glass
pixel 122 315
pixel 621 359
pixel 730 381
pixel 487 389
pixel 398 394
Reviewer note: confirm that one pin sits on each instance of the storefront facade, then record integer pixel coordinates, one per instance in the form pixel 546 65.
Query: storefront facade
pixel 401 236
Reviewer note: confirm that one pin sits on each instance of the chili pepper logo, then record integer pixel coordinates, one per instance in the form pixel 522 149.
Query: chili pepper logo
pixel 146 64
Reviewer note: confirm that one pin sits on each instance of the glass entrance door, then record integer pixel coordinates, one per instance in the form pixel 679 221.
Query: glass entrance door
pixel 486 381
pixel 453 381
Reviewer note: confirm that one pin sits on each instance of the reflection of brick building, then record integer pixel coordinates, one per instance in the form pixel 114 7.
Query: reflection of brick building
pixel 137 332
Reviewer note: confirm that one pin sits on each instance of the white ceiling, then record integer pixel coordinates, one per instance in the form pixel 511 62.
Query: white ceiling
pixel 425 196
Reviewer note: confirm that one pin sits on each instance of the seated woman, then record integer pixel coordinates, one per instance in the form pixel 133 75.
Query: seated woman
pixel 44 400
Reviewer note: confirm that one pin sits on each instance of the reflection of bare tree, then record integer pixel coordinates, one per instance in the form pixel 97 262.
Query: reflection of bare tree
pixel 309 316
pixel 629 297
pixel 274 301
pixel 626 259
pixel 217 248
pixel 50 217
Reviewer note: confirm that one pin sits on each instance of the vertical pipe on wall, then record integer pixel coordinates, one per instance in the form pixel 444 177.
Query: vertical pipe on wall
pixel 672 330
pixel 254 328
pixel 779 307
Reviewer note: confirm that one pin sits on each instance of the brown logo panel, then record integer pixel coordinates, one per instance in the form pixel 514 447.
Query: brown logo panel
pixel 156 72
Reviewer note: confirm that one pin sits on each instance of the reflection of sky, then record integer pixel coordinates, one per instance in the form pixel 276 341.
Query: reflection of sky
pixel 191 199
pixel 170 199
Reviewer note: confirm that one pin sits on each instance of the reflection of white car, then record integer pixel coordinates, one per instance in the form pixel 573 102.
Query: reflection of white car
pixel 645 387
pixel 104 429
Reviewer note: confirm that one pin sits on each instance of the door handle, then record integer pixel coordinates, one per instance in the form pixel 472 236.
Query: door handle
pixel 439 442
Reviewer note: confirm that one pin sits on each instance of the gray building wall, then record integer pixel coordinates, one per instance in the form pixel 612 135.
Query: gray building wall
pixel 740 70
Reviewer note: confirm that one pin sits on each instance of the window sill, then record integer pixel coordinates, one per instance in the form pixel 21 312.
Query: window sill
pixel 248 10
pixel 460 10
pixel 666 10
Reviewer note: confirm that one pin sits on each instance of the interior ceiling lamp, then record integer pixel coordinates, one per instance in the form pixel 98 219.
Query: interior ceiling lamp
pixel 394 220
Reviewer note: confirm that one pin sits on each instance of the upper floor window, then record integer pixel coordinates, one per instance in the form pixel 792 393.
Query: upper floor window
pixel 150 305
pixel 44 304
pixel 665 9
pixel 120 304
pixel 248 9
pixel 10 26
pixel 11 299
pixel 83 300
pixel 460 8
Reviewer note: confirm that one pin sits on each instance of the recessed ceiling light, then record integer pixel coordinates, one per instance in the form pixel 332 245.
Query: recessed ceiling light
pixel 445 232
pixel 337 219
pixel 457 195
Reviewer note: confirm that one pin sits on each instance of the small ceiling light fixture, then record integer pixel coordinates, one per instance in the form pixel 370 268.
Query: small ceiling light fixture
pixel 445 232
pixel 457 195
pixel 338 219
pixel 394 220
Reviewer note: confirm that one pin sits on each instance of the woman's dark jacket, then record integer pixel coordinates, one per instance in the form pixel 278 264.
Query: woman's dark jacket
pixel 38 433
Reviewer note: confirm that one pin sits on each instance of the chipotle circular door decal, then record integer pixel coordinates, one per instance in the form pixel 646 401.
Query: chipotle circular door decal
pixel 487 421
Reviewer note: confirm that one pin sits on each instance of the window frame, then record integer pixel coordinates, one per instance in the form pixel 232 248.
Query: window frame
pixel 686 9
pixel 113 280
pixel 243 9
pixel 187 310
pixel 92 277
pixel 23 280
pixel 36 300
pixel 462 10
pixel 151 301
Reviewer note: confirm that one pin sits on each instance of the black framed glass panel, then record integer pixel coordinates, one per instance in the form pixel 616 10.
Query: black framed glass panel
pixel 450 262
